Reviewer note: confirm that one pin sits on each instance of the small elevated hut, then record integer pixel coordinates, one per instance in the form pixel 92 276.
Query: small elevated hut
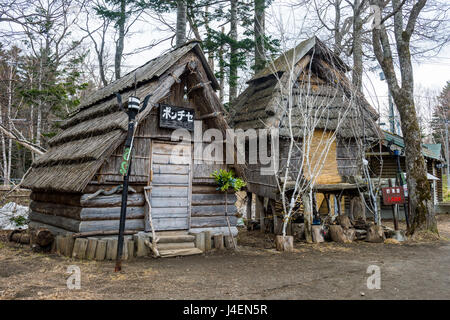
pixel 76 184
pixel 310 78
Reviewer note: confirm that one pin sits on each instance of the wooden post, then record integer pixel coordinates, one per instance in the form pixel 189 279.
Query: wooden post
pixel 307 215
pixel 130 249
pixel 259 212
pixel 327 199
pixel 338 204
pixel 379 210
pixel 68 248
pixel 100 251
pixel 218 242
pixel 147 215
pixel 141 248
pixel 111 249
pixel 208 237
pixel 79 248
pixel 91 247
pixel 200 241
pixel 249 206
pixel 125 250
pixel 284 243
pixel 60 243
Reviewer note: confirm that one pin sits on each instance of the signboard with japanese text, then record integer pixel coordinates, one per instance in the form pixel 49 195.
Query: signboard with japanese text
pixel 393 195
pixel 176 117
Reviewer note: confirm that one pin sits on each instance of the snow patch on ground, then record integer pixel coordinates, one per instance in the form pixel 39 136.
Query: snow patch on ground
pixel 9 211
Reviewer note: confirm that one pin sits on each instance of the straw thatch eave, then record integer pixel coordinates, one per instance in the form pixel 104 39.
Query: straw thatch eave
pixel 91 135
pixel 153 69
pixel 321 83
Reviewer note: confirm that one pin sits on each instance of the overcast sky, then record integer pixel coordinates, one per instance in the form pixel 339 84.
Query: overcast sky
pixel 431 74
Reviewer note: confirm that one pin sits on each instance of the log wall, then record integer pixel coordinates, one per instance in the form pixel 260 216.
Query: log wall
pixel 208 208
pixel 78 213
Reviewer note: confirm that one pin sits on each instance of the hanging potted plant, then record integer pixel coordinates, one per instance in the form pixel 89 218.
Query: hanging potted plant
pixel 226 181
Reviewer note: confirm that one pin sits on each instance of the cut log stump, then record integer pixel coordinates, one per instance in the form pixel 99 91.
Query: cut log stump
pixel 375 233
pixel 337 234
pixel 218 242
pixel 317 235
pixel 100 251
pixel 285 243
pixel 208 240
pixel 350 234
pixel 79 248
pixel 43 237
pixel 344 222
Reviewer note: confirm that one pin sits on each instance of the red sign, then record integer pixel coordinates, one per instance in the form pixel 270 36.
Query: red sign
pixel 393 195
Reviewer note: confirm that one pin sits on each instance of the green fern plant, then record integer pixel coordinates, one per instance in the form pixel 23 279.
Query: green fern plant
pixel 226 180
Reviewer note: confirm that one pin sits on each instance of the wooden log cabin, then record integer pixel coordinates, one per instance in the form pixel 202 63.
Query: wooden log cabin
pixel 387 160
pixel 75 183
pixel 320 80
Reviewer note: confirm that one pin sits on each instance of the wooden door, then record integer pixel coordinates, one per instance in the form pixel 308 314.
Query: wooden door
pixel 171 165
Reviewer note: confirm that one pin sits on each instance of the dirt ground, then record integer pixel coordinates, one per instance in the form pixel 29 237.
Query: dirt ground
pixel 321 271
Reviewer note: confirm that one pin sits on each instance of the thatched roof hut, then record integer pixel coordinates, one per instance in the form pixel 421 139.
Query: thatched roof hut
pixel 309 82
pixel 73 183
pixel 98 127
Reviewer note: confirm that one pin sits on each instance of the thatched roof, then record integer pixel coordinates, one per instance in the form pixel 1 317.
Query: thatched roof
pixel 92 134
pixel 320 85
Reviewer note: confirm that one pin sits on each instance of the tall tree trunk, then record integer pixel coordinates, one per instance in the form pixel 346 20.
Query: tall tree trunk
pixel 357 71
pixel 337 27
pixel 233 53
pixel 210 53
pixel 221 71
pixel 101 63
pixel 39 105
pixel 181 22
pixel 419 191
pixel 259 28
pixel 120 39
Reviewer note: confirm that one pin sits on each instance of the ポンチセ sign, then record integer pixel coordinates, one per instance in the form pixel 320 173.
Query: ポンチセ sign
pixel 393 195
pixel 176 117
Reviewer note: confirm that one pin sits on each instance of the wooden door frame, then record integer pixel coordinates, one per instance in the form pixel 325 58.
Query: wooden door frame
pixel 190 177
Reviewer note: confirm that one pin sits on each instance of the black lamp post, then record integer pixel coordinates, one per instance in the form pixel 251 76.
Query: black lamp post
pixel 133 109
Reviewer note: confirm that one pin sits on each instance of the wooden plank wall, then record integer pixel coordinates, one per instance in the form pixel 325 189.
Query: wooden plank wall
pixel 208 208
pixel 347 157
pixel 329 173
